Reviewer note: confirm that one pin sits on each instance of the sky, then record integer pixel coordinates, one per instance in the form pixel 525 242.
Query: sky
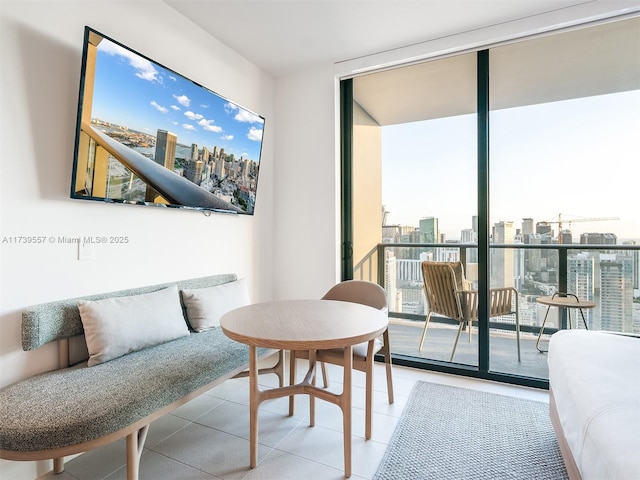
pixel 578 158
pixel 132 91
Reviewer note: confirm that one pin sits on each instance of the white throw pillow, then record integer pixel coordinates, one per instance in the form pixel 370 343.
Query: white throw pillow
pixel 116 326
pixel 205 306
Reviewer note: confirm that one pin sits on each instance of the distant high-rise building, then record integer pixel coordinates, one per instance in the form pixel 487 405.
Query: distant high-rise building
pixel 409 270
pixel 165 154
pixel 429 232
pixel 394 298
pixel 470 235
pixel 565 237
pixel 502 259
pixel 544 229
pixel 193 172
pixel 194 152
pixel 636 264
pixel 616 293
pixel 220 171
pixel 581 282
pixel 447 254
pixel 598 239
pixel 528 227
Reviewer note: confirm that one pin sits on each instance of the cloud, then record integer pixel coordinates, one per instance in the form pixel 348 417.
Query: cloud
pixel 171 77
pixel 188 126
pixel 144 69
pixel 254 134
pixel 192 116
pixel 227 137
pixel 160 108
pixel 247 117
pixel 203 105
pixel 242 115
pixel 183 100
pixel 208 125
pixel 175 107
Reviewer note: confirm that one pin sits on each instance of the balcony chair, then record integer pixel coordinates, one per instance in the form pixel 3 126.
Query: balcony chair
pixel 449 294
pixel 366 293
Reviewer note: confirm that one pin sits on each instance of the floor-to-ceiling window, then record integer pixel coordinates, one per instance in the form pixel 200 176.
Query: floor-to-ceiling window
pixel 565 168
pixel 561 112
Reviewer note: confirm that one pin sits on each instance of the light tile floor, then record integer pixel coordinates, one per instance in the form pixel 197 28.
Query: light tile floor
pixel 208 438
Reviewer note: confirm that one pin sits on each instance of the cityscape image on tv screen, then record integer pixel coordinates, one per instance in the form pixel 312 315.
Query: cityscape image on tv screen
pixel 147 135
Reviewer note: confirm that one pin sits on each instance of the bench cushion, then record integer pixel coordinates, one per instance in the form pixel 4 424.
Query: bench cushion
pixel 78 404
pixel 116 326
pixel 205 306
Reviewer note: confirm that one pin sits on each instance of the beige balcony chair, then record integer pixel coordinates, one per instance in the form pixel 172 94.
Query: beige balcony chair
pixel 449 294
pixel 366 293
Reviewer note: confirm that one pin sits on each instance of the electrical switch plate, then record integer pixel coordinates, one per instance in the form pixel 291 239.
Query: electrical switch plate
pixel 86 251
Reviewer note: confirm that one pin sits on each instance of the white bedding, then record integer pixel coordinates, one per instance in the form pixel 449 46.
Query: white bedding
pixel 595 378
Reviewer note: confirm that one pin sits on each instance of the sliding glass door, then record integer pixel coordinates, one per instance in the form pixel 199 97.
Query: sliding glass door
pixel 565 112
pixel 505 160
pixel 415 147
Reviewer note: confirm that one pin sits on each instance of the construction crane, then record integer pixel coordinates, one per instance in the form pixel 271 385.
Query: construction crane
pixel 560 222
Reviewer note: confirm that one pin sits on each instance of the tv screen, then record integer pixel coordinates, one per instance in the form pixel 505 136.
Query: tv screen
pixel 147 135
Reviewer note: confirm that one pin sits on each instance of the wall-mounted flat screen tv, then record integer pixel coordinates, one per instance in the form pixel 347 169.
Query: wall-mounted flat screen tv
pixel 147 135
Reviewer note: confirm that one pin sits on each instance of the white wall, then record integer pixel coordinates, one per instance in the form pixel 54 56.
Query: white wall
pixel 41 48
pixel 307 195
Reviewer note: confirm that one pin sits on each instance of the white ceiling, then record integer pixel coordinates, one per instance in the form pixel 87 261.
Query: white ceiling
pixel 285 36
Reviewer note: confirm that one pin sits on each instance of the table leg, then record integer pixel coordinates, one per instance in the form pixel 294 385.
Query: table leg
pixel 254 403
pixel 369 392
pixel 583 320
pixel 346 408
pixel 541 329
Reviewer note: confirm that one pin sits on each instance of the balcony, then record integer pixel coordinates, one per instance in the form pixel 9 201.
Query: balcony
pixel 605 274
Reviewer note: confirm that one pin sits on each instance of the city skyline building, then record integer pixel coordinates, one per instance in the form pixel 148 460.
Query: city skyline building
pixel 166 144
pixel 616 286
pixel 502 259
pixel 581 282
pixel 429 232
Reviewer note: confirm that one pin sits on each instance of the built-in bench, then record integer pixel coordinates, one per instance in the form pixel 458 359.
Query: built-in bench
pixel 78 408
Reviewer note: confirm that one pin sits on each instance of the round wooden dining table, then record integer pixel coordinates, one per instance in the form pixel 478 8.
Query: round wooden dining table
pixel 303 325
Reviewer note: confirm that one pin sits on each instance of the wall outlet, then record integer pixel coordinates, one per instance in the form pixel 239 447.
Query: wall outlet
pixel 86 251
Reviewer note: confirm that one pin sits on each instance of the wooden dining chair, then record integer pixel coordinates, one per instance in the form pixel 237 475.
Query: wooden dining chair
pixel 365 293
pixel 449 294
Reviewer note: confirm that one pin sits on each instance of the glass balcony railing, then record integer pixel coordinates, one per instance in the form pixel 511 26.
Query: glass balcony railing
pixel 607 275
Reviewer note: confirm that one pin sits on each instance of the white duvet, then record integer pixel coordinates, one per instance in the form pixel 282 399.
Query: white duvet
pixel 595 378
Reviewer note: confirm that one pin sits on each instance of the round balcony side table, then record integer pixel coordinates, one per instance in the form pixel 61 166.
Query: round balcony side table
pixel 563 300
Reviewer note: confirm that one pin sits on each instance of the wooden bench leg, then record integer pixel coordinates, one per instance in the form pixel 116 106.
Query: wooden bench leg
pixel 135 445
pixel 58 465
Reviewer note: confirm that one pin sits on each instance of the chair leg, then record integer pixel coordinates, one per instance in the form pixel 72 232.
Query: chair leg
pixel 518 325
pixel 456 343
pixel 325 374
pixel 386 351
pixel 518 333
pixel 424 332
pixel 292 380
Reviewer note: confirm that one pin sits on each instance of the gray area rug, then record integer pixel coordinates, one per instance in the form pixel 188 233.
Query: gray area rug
pixel 451 433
